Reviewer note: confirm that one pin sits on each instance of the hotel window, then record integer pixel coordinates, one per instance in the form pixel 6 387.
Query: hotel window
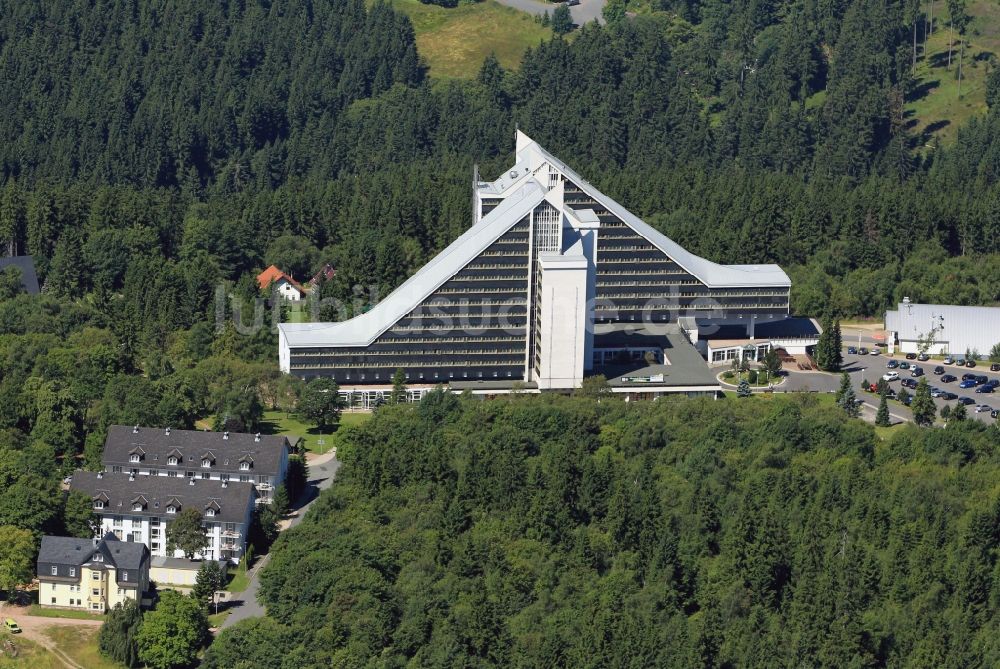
pixel 137 507
pixel 244 479
pixel 55 571
pixel 72 571
pixel 133 458
pixel 95 576
pixel 206 463
pixel 171 509
pixel 95 591
pixel 206 475
pixel 155 546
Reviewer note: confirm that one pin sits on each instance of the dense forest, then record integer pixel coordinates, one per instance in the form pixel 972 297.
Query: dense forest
pixel 565 532
pixel 212 133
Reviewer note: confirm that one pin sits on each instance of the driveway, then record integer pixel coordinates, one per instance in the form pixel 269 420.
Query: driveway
pixel 33 629
pixel 322 470
pixel 585 12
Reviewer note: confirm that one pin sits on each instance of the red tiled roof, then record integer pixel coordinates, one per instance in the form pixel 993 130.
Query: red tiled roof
pixel 272 274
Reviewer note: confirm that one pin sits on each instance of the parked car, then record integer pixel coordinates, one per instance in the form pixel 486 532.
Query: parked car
pixel 948 360
pixel 995 367
pixel 968 383
pixel 982 378
pixel 983 408
pixel 852 350
pixel 970 363
pixel 876 351
pixel 892 364
pixel 993 382
pixel 862 351
pixel 916 371
pixel 906 400
pixel 904 365
pixel 995 413
pixel 949 397
pixel 909 383
pixel 11 626
pixel 891 376
pixel 966 401
pixel 948 378
pixel 923 357
pixel 939 370
pixel 937 392
pixel 968 377
pixel 984 389
pixel 911 356
pixel 960 362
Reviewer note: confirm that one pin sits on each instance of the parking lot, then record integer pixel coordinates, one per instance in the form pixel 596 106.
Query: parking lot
pixel 871 368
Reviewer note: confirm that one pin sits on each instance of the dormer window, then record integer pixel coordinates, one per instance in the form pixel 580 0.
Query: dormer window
pixel 133 458
pixel 55 571
pixel 137 507
pixel 244 466
pixel 171 509
pixel 210 512
pixel 98 557
pixel 206 463
pixel 124 575
pixel 171 460
pixel 98 504
pixel 72 571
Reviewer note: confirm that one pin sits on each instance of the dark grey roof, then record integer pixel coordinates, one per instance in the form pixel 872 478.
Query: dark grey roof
pixel 27 266
pixel 782 329
pixel 75 552
pixel 684 365
pixel 232 498
pixel 192 445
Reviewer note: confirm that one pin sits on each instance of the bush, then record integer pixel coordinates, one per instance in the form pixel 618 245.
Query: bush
pixel 752 376
pixel 728 375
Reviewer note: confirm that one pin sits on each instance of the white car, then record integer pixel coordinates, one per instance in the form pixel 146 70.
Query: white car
pixel 876 351
pixel 891 376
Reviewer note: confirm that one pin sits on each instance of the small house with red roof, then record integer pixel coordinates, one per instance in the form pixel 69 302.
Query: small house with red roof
pixel 287 287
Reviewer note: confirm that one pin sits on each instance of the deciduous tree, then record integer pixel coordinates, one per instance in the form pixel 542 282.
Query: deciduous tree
pixel 172 634
pixel 186 533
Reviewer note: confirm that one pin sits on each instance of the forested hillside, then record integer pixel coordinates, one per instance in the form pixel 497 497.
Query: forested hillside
pixel 558 532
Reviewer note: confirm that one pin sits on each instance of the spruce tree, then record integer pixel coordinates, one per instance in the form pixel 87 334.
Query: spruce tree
pixel 116 640
pixel 208 582
pixel 829 356
pixel 882 417
pixel 923 405
pixel 398 387
pixel 743 390
pixel 845 386
pixel 849 401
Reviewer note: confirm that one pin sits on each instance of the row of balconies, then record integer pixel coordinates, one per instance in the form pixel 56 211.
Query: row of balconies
pixel 397 364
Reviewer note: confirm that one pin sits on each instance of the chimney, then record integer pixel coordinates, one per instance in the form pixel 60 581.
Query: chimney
pixel 131 476
pixel 167 431
pixel 256 437
pixel 906 300
pixel 135 429
pixel 100 475
pixel 191 481
pixel 225 435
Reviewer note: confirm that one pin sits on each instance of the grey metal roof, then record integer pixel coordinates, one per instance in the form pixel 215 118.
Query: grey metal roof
pixel 233 498
pixel 27 266
pixel 960 327
pixel 684 365
pixel 154 445
pixel 363 329
pixel 76 551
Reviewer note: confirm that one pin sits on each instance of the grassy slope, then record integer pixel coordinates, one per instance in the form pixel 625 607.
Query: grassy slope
pixel 935 110
pixel 277 422
pixel 454 42
pixel 78 643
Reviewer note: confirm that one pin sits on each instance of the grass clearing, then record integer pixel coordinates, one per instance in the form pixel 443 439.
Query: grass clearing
pixel 239 580
pixel 935 111
pixel 36 610
pixel 80 644
pixel 291 426
pixel 455 41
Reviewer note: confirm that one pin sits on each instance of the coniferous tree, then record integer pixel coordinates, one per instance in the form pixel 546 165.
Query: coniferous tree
pixel 117 638
pixel 562 20
pixel 743 389
pixel 882 416
pixel 209 580
pixel 398 387
pixel 923 407
pixel 829 356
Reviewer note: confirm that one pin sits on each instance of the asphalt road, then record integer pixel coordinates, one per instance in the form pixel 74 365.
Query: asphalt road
pixel 585 12
pixel 245 605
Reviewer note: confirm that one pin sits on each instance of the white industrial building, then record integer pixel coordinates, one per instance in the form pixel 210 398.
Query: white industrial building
pixel 943 328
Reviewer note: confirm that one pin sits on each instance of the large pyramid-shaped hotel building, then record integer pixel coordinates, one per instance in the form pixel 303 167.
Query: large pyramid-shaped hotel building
pixel 554 281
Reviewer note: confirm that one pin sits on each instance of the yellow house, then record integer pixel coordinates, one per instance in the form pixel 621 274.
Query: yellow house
pixel 91 574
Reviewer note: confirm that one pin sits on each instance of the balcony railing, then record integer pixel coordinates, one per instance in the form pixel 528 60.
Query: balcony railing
pixel 231 534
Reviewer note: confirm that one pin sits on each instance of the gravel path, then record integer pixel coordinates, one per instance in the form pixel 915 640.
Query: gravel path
pixel 585 12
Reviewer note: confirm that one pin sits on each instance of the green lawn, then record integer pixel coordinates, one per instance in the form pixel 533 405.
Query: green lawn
pixel 290 425
pixel 36 610
pixel 936 110
pixel 238 580
pixel 454 42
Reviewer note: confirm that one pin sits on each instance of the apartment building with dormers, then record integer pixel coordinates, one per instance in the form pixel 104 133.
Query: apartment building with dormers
pixel 192 454
pixel 91 574
pixel 138 509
